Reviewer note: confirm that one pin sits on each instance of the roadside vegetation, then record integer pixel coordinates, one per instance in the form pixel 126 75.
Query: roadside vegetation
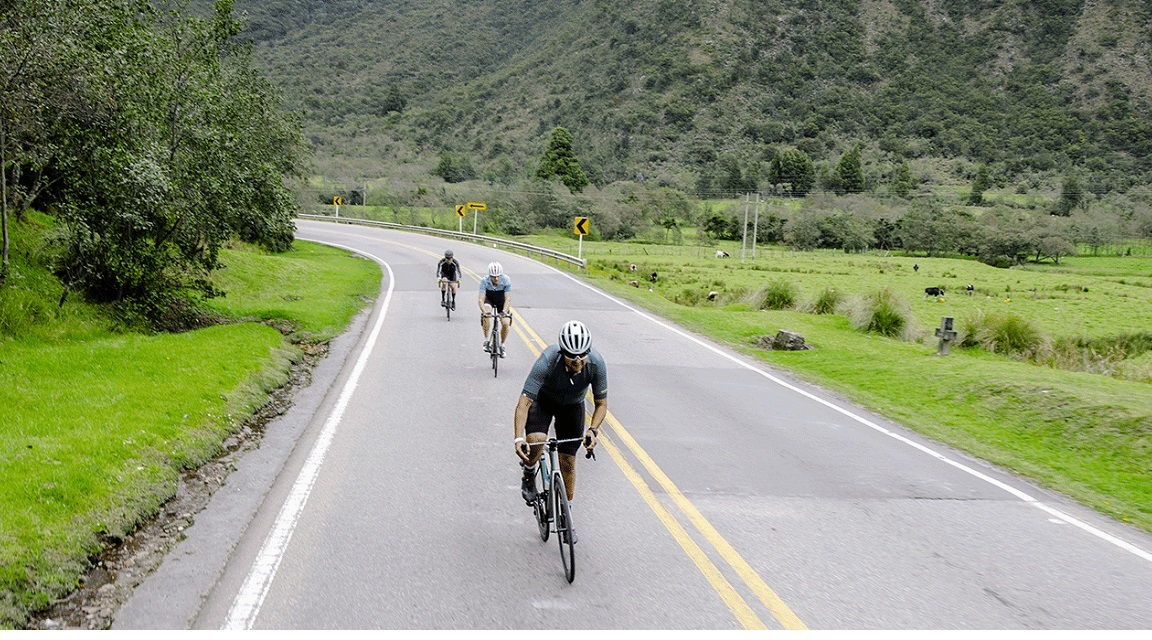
pixel 99 419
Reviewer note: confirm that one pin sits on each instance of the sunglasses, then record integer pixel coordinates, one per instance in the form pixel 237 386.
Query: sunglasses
pixel 571 358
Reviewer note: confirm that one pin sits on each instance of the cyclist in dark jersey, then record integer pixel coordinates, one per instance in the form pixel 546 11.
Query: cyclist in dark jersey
pixel 495 296
pixel 448 275
pixel 555 390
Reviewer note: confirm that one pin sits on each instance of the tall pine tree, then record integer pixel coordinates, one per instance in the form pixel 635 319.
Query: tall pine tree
pixel 560 162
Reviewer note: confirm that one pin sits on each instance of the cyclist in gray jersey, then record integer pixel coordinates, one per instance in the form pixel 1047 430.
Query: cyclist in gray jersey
pixel 555 390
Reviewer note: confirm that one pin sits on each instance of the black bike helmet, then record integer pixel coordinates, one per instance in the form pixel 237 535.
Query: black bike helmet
pixel 448 253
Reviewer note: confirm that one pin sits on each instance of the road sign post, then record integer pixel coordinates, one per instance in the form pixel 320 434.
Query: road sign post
pixel 476 206
pixel 461 211
pixel 580 228
pixel 336 202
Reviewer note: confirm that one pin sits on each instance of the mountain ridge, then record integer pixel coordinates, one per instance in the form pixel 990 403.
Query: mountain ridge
pixel 682 92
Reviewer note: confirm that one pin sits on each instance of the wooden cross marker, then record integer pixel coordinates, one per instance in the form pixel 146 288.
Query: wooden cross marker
pixel 946 335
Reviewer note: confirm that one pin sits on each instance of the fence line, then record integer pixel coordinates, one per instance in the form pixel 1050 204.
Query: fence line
pixel 556 256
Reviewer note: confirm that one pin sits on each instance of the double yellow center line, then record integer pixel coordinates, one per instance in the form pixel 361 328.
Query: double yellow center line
pixel 728 594
pixel 732 598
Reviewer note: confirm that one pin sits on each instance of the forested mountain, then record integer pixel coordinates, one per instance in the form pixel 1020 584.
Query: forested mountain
pixel 701 94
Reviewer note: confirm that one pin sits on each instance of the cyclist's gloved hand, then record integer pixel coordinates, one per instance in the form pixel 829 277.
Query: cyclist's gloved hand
pixel 522 449
pixel 590 441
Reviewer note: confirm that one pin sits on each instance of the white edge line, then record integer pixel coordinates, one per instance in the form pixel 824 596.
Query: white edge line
pixel 251 596
pixel 1107 537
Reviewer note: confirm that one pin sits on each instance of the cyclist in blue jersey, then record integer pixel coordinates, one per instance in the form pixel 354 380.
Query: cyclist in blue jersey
pixel 495 295
pixel 555 390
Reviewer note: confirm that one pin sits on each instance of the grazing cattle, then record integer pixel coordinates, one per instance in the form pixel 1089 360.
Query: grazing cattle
pixel 712 295
pixel 969 289
pixel 935 292
pixel 635 283
pixel 632 268
pixel 916 267
pixel 722 254
pixel 652 278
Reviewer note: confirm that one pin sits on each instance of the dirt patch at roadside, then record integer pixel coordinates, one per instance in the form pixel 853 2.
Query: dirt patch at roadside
pixel 126 562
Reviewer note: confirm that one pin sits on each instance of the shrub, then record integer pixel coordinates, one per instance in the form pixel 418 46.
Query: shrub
pixel 1125 356
pixel 827 302
pixel 1005 333
pixel 884 312
pixel 779 294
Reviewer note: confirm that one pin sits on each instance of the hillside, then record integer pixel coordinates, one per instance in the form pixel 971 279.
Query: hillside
pixel 698 95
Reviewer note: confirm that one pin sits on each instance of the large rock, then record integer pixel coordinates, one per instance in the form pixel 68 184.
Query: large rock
pixel 784 341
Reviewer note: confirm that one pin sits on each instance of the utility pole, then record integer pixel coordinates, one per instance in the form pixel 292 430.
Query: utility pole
pixel 744 235
pixel 755 226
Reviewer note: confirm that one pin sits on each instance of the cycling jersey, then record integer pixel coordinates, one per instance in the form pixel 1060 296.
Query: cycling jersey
pixel 505 284
pixel 550 381
pixel 450 270
pixel 494 293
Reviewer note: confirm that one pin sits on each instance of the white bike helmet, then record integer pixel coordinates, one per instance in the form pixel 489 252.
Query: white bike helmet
pixel 495 270
pixel 575 340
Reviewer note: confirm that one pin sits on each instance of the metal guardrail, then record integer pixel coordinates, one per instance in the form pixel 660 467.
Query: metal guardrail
pixel 468 237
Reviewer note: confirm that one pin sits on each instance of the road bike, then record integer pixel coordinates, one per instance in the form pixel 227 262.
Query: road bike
pixel 447 298
pixel 551 505
pixel 495 347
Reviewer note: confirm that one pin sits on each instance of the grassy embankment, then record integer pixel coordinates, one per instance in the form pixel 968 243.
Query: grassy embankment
pixel 1087 435
pixel 98 422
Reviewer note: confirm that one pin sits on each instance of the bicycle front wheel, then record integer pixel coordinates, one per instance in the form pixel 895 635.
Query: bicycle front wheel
pixel 495 352
pixel 540 507
pixel 565 533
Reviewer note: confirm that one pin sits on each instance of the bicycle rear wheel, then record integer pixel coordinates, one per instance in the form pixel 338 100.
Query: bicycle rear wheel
pixel 564 527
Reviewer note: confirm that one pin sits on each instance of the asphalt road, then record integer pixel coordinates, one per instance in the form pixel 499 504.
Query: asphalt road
pixel 725 495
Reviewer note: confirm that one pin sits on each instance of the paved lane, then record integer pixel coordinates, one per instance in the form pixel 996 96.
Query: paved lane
pixel 723 498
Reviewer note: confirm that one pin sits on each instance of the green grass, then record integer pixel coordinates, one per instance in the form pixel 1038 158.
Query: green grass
pixel 314 311
pixel 97 425
pixel 1074 301
pixel 1086 435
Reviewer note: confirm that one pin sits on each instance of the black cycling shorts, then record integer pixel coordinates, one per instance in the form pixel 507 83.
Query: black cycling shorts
pixel 569 422
pixel 496 299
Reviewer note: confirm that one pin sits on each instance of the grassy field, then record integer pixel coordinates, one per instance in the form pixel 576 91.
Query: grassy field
pixel 1086 435
pixel 97 424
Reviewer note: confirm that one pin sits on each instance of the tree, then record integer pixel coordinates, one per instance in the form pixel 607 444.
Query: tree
pixel 560 162
pixel 718 227
pixel 932 229
pixel 804 233
pixel 454 167
pixel 850 171
pixel 1054 247
pixel 794 168
pixel 979 185
pixel 902 185
pixel 1071 197
pixel 38 79
pixel 165 145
